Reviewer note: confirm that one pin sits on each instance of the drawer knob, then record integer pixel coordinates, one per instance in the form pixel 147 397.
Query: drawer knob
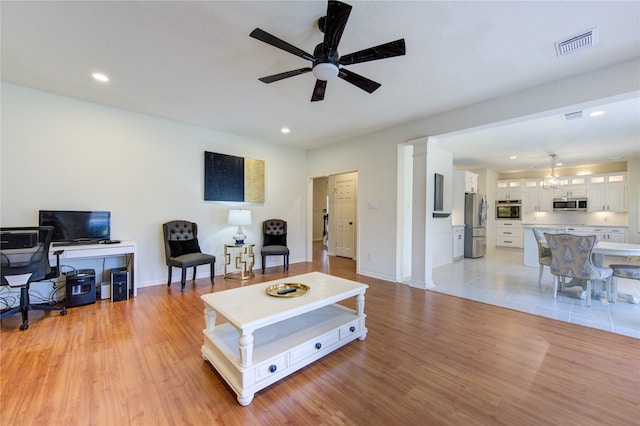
pixel 318 345
pixel 273 368
pixel 352 328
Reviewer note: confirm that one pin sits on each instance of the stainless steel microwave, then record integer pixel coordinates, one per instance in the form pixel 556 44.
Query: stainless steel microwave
pixel 570 204
pixel 508 209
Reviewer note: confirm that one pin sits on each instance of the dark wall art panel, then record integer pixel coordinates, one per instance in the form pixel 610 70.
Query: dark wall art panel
pixel 231 178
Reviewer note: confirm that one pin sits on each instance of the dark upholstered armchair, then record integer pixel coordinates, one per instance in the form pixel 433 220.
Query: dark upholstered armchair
pixel 183 251
pixel 274 242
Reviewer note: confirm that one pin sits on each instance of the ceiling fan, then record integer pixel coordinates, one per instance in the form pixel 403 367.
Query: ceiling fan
pixel 325 61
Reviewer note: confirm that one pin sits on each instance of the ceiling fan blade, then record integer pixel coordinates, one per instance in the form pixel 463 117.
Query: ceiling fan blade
pixel 336 20
pixel 387 50
pixel 318 91
pixel 280 44
pixel 364 83
pixel 283 75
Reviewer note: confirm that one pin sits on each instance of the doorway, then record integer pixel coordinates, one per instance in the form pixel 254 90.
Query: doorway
pixel 334 215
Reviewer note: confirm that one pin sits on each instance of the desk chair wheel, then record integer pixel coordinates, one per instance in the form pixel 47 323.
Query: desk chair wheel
pixel 63 312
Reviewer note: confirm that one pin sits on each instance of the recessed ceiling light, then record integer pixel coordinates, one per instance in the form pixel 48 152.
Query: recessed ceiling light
pixel 596 114
pixel 513 157
pixel 100 77
pixel 285 130
pixel 559 164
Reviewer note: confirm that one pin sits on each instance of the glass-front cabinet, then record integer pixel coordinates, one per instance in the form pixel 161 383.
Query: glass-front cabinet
pixel 608 192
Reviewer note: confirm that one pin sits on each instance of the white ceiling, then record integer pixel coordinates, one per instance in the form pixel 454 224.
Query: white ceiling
pixel 195 62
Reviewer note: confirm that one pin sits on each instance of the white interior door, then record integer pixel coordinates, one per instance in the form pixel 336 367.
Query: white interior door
pixel 345 216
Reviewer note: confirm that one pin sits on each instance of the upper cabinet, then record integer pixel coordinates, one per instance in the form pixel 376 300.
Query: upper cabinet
pixel 608 192
pixel 605 192
pixel 463 182
pixel 509 189
pixel 470 182
pixel 572 186
pixel 536 199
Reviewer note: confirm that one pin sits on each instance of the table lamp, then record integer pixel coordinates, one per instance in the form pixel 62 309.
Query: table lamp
pixel 239 217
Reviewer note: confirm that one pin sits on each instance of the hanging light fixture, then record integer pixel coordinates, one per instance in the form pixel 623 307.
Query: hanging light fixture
pixel 552 182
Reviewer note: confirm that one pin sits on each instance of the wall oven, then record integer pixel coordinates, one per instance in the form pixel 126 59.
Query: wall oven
pixel 508 209
pixel 570 204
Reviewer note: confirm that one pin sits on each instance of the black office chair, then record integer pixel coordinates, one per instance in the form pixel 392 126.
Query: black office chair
pixel 274 242
pixel 183 251
pixel 25 259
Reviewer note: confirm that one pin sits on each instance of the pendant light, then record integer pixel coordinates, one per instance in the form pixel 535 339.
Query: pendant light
pixel 552 182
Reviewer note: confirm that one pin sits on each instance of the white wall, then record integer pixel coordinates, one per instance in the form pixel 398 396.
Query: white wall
pixel 440 234
pixel 61 153
pixel 375 155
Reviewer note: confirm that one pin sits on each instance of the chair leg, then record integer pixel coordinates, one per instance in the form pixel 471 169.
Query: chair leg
pixel 286 261
pixel 213 271
pixel 613 289
pixel 540 276
pixel 24 307
pixel 169 274
pixel 183 279
pixel 588 292
pixel 263 260
pixel 555 285
pixel 194 273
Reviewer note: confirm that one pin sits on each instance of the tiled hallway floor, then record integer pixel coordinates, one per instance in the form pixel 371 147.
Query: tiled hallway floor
pixel 502 279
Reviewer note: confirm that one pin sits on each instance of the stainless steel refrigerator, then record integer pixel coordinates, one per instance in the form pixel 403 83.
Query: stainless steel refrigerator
pixel 475 231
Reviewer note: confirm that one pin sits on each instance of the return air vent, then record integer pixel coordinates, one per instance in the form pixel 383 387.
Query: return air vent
pixel 577 42
pixel 572 115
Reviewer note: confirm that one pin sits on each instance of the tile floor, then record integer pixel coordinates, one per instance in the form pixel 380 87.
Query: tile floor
pixel 502 279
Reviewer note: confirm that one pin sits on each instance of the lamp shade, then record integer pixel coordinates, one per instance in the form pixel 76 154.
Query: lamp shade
pixel 239 217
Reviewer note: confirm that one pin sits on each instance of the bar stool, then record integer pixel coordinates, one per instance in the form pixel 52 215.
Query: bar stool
pixel 631 272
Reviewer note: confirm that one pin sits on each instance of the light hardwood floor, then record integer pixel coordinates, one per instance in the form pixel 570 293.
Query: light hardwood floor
pixel 428 358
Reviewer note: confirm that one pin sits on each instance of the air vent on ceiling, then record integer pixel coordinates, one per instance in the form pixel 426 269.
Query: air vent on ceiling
pixel 572 115
pixel 577 42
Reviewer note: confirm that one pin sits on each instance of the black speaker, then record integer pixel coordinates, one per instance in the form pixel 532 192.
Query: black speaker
pixel 119 284
pixel 81 288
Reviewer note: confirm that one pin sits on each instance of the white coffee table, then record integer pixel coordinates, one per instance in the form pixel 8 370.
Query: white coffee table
pixel 267 338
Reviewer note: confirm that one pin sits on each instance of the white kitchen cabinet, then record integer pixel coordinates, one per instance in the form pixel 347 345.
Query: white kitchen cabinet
pixel 509 189
pixel 470 182
pixel 509 233
pixel 608 192
pixel 536 199
pixel 572 186
pixel 458 242
pixel 604 233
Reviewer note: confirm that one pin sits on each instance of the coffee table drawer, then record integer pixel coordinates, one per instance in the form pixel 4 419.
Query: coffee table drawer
pixel 350 329
pixel 312 347
pixel 271 367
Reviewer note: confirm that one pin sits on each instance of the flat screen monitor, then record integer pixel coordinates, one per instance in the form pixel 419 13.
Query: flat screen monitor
pixel 77 225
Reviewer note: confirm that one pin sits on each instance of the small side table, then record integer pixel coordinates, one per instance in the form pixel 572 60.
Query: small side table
pixel 244 260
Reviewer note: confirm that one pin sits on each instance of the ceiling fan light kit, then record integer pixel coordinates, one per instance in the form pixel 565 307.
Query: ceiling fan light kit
pixel 325 61
pixel 325 71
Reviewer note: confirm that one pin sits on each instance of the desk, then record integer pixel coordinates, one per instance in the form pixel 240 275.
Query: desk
pixel 126 249
pixel 245 259
pixel 268 338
